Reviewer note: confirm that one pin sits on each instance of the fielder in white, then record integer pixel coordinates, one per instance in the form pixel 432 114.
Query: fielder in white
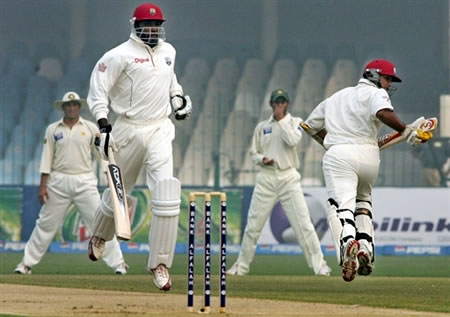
pixel 348 123
pixel 274 149
pixel 67 178
pixel 137 78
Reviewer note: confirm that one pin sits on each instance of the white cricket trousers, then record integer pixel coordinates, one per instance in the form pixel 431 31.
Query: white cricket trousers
pixel 283 185
pixel 64 190
pixel 144 146
pixel 147 146
pixel 350 171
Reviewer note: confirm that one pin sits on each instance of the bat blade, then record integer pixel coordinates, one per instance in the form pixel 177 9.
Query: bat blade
pixel 119 202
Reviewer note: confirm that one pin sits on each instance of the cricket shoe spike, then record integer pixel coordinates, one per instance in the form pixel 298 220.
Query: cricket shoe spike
pixel 365 261
pixel 349 260
pixel 96 248
pixel 22 269
pixel 161 277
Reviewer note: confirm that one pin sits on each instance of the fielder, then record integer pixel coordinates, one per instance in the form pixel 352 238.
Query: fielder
pixel 348 123
pixel 137 78
pixel 67 178
pixel 274 149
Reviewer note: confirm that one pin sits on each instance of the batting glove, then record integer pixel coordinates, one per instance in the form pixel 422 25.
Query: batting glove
pixel 416 136
pixel 105 140
pixel 182 106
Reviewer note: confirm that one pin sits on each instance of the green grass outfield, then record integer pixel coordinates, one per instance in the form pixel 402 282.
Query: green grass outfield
pixel 419 283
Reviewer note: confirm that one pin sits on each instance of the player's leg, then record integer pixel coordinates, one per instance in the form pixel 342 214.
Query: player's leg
pixel 51 216
pixel 166 195
pixel 363 212
pixel 87 199
pixel 163 230
pixel 365 236
pixel 129 158
pixel 341 181
pixel 296 209
pixel 262 202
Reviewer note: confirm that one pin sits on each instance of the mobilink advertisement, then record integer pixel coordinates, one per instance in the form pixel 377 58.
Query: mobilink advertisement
pixel 406 220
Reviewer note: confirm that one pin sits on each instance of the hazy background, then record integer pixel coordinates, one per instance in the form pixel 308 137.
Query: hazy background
pixel 413 34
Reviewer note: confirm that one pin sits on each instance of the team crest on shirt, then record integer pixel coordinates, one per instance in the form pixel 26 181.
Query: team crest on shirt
pixel 58 136
pixel 267 130
pixel 168 61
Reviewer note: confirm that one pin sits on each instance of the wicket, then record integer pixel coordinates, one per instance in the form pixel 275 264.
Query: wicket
pixel 207 250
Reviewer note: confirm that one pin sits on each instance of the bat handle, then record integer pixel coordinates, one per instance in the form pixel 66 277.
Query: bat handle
pixel 111 159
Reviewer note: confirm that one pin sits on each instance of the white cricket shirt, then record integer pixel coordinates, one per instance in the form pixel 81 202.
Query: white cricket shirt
pixel 277 140
pixel 68 150
pixel 137 79
pixel 349 115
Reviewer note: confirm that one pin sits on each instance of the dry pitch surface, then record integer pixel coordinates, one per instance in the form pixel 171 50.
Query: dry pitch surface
pixel 52 301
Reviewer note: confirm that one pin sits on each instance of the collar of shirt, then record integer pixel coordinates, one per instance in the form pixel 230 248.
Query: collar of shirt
pixel 80 121
pixel 366 82
pixel 272 119
pixel 139 42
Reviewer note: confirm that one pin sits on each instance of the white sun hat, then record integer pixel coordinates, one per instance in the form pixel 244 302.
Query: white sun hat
pixel 70 96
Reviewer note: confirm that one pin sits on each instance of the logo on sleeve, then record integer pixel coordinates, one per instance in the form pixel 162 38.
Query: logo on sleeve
pixel 58 136
pixel 168 61
pixel 267 130
pixel 102 67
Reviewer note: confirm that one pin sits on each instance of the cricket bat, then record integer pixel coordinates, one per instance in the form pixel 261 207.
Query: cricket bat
pixel 395 137
pixel 118 198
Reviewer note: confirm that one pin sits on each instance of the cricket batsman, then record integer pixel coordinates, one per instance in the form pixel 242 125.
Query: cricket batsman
pixel 137 79
pixel 348 123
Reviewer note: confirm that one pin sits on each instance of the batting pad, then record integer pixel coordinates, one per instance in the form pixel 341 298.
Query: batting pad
pixel 163 229
pixel 335 226
pixel 103 225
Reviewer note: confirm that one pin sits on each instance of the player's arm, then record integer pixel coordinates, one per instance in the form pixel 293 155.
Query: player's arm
pixel 314 126
pixel 43 194
pixel 181 104
pixel 291 131
pixel 104 76
pixel 255 148
pixel 389 118
pixel 415 133
pixel 48 151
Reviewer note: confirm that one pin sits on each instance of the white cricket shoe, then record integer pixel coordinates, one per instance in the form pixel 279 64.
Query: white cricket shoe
pixel 234 270
pixel 96 248
pixel 325 270
pixel 364 260
pixel 161 277
pixel 349 260
pixel 22 269
pixel 121 269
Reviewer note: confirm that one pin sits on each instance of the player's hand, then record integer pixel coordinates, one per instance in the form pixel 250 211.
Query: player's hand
pixel 43 195
pixel 105 140
pixel 182 106
pixel 415 136
pixel 268 161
